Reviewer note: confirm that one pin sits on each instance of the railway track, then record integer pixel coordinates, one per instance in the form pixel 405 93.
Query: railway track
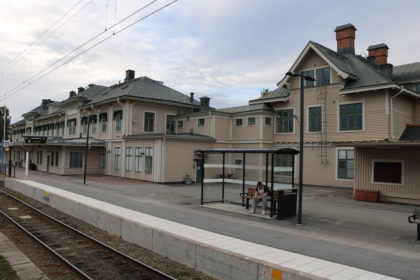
pixel 63 252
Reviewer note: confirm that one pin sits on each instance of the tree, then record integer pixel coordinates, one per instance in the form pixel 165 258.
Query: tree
pixel 264 92
pixel 4 110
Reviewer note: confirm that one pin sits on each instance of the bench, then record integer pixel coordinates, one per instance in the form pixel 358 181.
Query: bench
pixel 415 219
pixel 250 195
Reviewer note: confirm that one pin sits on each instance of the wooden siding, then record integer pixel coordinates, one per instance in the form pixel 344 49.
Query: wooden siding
pixel 403 114
pixel 408 192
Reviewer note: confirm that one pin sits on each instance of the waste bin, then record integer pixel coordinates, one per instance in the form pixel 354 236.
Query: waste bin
pixel 286 205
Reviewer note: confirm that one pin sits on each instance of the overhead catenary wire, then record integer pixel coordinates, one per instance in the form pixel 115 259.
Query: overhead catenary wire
pixel 43 36
pixel 32 80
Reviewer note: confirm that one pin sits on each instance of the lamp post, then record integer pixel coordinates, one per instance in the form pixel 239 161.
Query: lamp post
pixel 302 79
pixel 86 149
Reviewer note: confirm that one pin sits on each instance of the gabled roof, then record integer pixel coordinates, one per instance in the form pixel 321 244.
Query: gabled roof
pixel 144 88
pixel 246 109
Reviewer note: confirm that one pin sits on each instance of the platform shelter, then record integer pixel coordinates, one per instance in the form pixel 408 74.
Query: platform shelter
pixel 227 173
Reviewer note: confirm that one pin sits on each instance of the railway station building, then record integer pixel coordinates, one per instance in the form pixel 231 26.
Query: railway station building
pixel 361 125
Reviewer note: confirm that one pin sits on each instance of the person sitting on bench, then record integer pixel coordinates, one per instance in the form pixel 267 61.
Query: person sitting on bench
pixel 262 193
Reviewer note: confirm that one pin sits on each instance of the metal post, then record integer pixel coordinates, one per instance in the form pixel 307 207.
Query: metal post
pixel 272 186
pixel 243 177
pixel 301 149
pixel 266 169
pixel 418 232
pixel 86 151
pixel 202 176
pixel 27 164
pixel 223 179
pixel 2 154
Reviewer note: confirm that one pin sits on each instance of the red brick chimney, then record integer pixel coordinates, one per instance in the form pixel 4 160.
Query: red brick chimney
pixel 345 35
pixel 379 52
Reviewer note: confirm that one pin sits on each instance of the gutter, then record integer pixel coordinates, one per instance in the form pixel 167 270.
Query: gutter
pixel 391 115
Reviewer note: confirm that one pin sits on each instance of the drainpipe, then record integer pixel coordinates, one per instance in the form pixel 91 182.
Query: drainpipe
pixel 391 115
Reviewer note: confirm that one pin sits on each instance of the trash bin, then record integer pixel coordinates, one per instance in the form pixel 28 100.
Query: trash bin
pixel 286 205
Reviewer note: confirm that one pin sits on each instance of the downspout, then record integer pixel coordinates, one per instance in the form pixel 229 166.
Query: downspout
pixel 391 115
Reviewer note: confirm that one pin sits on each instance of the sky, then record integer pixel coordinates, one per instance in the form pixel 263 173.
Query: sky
pixel 226 50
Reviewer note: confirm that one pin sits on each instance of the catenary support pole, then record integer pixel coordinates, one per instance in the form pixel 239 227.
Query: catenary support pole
pixel 27 164
pixel 301 149
pixel 86 150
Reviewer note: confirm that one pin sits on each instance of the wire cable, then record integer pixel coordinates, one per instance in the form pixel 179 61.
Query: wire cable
pixel 13 61
pixel 28 83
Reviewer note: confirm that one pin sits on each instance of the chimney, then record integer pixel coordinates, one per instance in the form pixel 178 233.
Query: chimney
pixel 80 89
pixel 204 103
pixel 345 35
pixel 192 97
pixel 45 103
pixel 379 52
pixel 72 93
pixel 129 75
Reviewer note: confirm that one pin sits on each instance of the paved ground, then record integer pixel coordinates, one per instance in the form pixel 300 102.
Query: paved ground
pixel 370 236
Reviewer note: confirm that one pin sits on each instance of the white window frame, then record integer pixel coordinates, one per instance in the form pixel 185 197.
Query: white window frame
pixel 119 158
pixel 166 121
pixel 234 122
pixel 336 164
pixel 198 125
pixel 247 121
pixel 316 68
pixel 294 121
pixel 387 183
pixel 154 122
pixel 363 116
pixel 270 119
pixel 128 159
pixel 322 118
pixel 138 167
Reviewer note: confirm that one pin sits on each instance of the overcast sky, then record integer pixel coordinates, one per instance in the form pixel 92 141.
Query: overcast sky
pixel 226 49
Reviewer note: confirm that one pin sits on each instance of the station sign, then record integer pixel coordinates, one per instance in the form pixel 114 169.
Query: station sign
pixel 35 139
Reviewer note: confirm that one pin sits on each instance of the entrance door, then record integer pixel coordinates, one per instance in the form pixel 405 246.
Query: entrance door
pixel 198 175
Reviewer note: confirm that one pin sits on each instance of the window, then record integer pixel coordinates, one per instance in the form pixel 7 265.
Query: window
pixel 323 76
pixel 283 165
pixel 71 124
pixel 128 158
pixel 308 83
pixel 103 118
pixel 57 129
pixel 315 119
pixel 390 172
pixel 76 159
pixel 267 121
pixel 62 128
pixel 180 124
pixel 149 122
pixel 148 157
pixel 56 158
pixel 52 159
pixel 138 159
pixel 345 164
pixel 251 121
pixel 351 116
pixel 170 124
pixel 201 122
pixel 84 124
pixel 117 158
pixel 118 115
pixel 238 122
pixel 93 120
pixel 418 88
pixel 284 121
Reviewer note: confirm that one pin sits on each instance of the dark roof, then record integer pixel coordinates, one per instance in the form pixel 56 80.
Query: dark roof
pixel 91 92
pixel 245 109
pixel 275 94
pixel 22 121
pixel 268 150
pixel 407 73
pixel 365 73
pixel 145 88
pixel 345 26
pixel 378 46
pixel 411 133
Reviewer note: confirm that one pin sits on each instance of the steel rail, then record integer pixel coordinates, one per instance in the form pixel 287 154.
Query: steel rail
pixel 92 239
pixel 84 275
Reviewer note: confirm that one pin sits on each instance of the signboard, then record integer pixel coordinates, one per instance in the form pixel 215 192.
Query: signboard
pixel 35 139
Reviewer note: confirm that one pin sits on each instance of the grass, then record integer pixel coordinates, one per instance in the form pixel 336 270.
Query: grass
pixel 6 271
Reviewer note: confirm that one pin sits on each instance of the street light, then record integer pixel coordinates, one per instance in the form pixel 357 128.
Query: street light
pixel 302 79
